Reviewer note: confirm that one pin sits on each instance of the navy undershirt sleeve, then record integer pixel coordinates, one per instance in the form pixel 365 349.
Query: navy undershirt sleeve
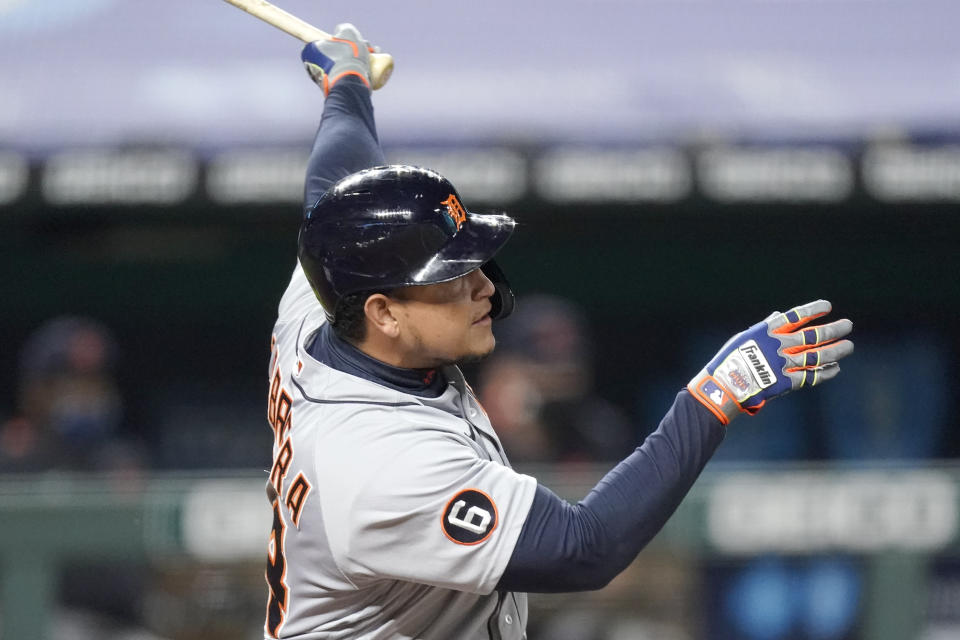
pixel 565 547
pixel 562 547
pixel 346 140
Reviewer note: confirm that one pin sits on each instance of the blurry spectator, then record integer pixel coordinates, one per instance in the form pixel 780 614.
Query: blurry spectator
pixel 70 411
pixel 539 391
pixel 69 403
pixel 538 388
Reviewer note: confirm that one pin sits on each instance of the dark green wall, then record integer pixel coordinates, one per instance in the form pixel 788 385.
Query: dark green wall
pixel 191 293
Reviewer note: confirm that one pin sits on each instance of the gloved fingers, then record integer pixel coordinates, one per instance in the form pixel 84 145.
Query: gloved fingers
pixel 344 54
pixel 797 317
pixel 819 335
pixel 814 375
pixel 347 31
pixel 818 356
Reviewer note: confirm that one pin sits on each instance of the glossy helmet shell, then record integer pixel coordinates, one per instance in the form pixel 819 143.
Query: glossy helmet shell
pixel 395 226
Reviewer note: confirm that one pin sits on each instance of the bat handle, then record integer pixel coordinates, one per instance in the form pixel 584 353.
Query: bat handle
pixel 381 66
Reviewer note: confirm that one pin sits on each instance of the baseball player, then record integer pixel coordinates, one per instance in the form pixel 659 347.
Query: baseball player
pixel 395 511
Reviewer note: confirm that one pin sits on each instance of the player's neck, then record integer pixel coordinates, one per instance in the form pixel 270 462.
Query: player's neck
pixel 389 351
pixel 345 356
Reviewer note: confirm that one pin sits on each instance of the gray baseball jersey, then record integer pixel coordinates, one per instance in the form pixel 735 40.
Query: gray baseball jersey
pixel 394 515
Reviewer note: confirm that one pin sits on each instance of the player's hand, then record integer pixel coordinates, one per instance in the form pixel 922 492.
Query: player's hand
pixel 327 61
pixel 770 359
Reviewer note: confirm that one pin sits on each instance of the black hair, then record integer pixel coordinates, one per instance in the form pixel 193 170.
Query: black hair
pixel 350 320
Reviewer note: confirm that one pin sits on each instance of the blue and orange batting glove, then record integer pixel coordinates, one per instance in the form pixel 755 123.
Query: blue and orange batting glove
pixel 346 54
pixel 770 359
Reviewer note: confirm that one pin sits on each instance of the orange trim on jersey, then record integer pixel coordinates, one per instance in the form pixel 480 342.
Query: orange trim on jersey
pixel 278 552
pixel 281 464
pixel 296 497
pixel 496 518
pixel 473 394
pixel 283 415
pixel 272 396
pixel 279 405
pixel 480 406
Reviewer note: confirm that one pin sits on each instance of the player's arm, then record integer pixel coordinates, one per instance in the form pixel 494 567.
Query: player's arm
pixel 564 547
pixel 346 140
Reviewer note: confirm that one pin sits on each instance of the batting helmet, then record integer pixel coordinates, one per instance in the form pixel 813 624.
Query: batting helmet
pixel 395 226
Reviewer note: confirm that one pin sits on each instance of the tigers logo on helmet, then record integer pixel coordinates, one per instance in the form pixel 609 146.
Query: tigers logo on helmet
pixel 455 210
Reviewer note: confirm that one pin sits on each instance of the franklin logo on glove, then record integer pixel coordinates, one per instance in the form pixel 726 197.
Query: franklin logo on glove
pixel 780 356
pixel 761 369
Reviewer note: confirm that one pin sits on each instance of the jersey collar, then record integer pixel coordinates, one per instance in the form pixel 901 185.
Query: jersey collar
pixel 326 347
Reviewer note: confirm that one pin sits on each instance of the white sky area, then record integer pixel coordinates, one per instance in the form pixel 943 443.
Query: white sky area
pixel 202 73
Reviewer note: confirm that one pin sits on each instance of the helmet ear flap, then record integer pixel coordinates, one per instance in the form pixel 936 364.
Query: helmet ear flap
pixel 502 300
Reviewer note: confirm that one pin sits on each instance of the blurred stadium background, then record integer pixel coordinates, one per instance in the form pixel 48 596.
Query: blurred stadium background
pixel 679 169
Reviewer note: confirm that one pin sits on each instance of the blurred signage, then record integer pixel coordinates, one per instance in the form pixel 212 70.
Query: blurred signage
pixel 501 176
pixel 599 175
pixel 225 520
pixel 808 511
pixel 495 175
pixel 901 173
pixel 13 176
pixel 119 177
pixel 257 177
pixel 775 175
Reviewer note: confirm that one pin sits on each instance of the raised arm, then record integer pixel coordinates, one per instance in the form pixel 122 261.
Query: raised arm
pixel 564 547
pixel 346 140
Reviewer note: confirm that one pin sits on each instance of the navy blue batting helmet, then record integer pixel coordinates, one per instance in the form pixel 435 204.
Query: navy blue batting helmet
pixel 394 226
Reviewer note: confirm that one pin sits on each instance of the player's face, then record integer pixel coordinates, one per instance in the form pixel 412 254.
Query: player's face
pixel 447 322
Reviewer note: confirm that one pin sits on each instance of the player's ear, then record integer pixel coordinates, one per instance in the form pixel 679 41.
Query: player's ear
pixel 381 316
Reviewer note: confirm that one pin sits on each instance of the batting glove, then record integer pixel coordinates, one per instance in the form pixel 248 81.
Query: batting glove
pixel 346 54
pixel 770 359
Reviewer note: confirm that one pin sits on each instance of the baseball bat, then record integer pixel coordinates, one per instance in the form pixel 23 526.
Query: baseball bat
pixel 381 64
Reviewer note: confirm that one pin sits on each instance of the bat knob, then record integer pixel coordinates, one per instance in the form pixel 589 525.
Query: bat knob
pixel 381 66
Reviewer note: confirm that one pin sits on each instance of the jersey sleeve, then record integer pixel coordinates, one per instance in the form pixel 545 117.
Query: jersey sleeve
pixel 298 298
pixel 429 510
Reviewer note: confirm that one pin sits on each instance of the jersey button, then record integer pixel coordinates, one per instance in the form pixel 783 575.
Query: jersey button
pixel 473 413
pixel 508 619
